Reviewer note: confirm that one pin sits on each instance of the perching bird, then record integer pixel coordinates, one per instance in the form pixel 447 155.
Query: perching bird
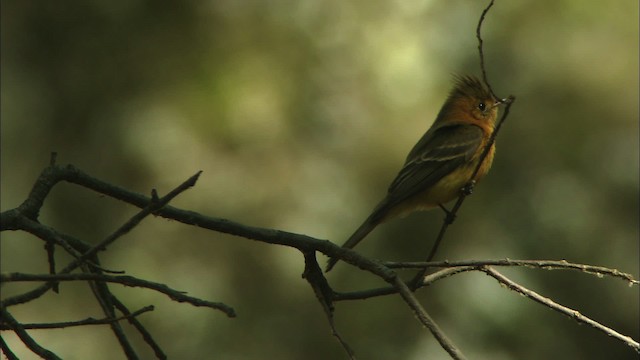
pixel 443 160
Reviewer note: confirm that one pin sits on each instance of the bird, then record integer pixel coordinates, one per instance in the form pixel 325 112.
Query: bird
pixel 443 161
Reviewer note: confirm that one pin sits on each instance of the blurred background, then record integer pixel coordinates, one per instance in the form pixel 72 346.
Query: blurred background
pixel 300 113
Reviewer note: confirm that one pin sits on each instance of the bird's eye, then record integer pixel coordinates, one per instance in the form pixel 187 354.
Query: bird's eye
pixel 482 106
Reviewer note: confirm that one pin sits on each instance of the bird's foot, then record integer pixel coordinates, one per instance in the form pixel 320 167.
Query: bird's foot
pixel 468 188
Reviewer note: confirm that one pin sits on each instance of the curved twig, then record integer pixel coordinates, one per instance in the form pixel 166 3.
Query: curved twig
pixel 540 264
pixel 131 281
pixel 574 314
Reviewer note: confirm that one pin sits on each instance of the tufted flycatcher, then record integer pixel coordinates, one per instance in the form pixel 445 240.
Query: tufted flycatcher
pixel 443 160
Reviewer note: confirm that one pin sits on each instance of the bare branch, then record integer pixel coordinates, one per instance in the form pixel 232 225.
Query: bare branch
pixel 6 350
pixel 87 321
pixel 131 281
pixel 315 277
pixel 540 264
pixel 25 337
pixel 382 291
pixel 304 243
pixel 105 299
pixel 485 79
pixel 426 320
pixel 135 220
pixel 51 176
pixel 141 329
pixel 574 314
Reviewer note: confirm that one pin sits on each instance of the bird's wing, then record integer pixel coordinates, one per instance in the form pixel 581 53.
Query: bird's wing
pixel 437 154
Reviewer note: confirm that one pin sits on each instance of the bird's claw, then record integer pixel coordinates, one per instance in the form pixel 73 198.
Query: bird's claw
pixel 468 188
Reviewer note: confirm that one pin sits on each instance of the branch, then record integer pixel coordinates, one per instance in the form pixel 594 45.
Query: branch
pixel 382 291
pixel 574 314
pixel 6 350
pixel 25 337
pixel 426 320
pixel 87 321
pixel 455 267
pixel 141 329
pixel 130 281
pixel 12 219
pixel 324 294
pixel 540 264
pixel 154 205
pixel 485 79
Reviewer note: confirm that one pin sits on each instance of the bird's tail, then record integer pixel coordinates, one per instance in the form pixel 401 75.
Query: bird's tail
pixel 367 226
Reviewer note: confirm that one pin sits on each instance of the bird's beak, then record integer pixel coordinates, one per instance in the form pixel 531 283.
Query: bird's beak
pixel 499 102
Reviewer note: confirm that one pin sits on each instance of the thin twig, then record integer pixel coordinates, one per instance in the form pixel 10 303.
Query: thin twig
pixel 87 321
pixel 456 267
pixel 25 337
pixel 426 320
pixel 485 79
pixel 6 350
pixel 541 264
pixel 383 291
pixel 141 329
pixel 574 314
pixel 50 248
pixel 54 177
pixel 134 221
pixel 131 281
pixel 315 277
pixel 105 298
